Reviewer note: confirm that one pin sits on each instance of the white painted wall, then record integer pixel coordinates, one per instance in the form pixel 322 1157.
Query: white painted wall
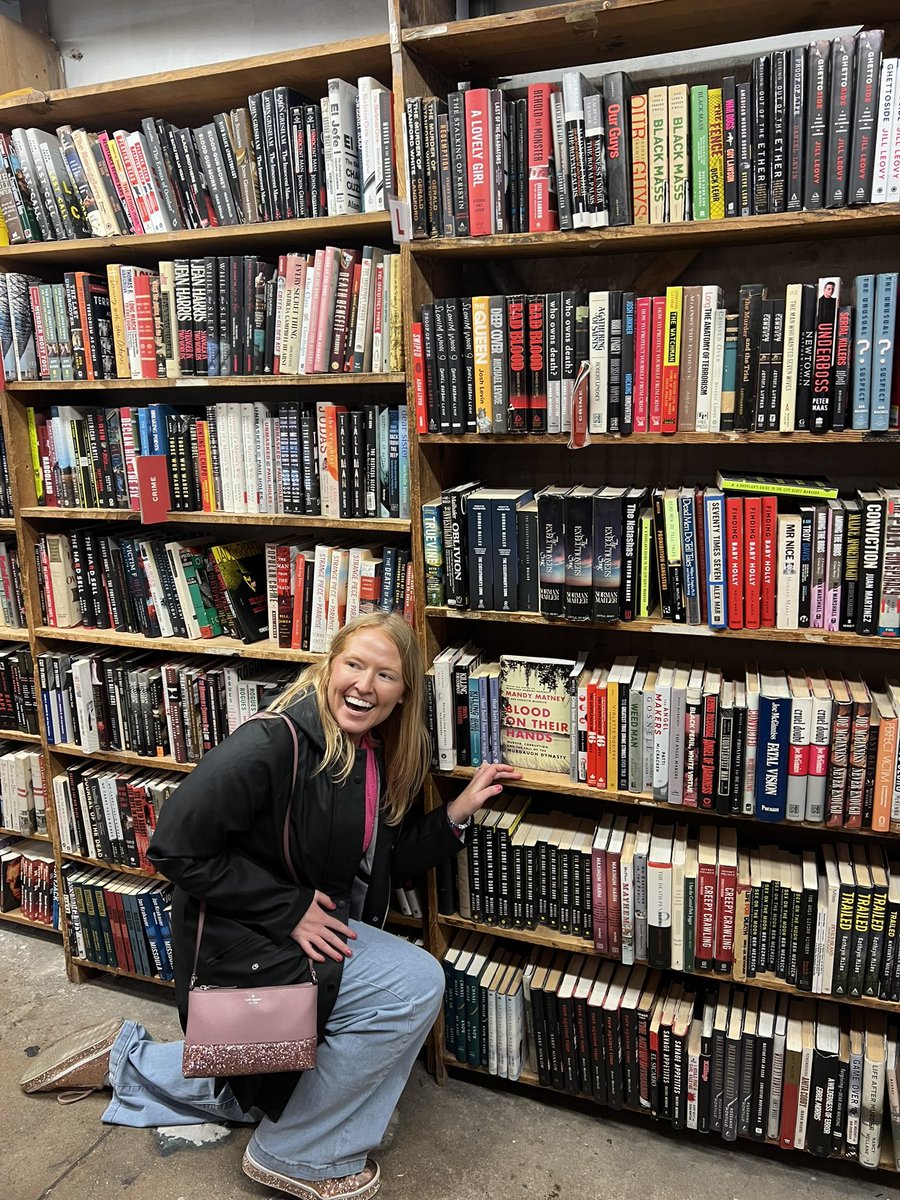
pixel 112 39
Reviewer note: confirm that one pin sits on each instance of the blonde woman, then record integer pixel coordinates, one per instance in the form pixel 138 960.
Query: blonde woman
pixel 363 755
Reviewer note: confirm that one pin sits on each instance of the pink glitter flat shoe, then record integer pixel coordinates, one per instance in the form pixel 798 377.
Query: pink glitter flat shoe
pixel 361 1186
pixel 78 1061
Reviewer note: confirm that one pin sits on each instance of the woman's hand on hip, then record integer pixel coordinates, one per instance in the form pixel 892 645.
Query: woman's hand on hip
pixel 318 934
pixel 486 784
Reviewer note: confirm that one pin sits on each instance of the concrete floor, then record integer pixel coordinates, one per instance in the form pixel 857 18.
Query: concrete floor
pixel 460 1142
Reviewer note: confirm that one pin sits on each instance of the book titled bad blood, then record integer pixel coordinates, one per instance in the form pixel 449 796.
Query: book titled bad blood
pixel 517 420
pixel 537 371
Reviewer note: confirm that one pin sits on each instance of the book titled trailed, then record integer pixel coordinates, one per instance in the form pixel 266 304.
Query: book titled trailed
pixel 534 712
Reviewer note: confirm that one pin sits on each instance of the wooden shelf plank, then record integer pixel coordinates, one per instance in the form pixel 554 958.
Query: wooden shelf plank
pixel 8 524
pixel 564 35
pixel 221 239
pixel 218 645
pixel 386 525
pixel 34 837
pixel 16 918
pixel 529 1078
pixel 183 95
pixel 92 966
pixel 865 437
pixel 109 866
pixel 395 917
pixel 126 757
pixel 9 634
pixel 870 221
pixel 561 785
pixel 19 735
pixel 805 637
pixel 195 382
pixel 561 941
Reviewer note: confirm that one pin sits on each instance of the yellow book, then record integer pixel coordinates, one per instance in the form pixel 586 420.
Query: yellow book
pixel 481 342
pixel 35 457
pixel 679 151
pixel 396 354
pixel 612 729
pixel 716 157
pixel 658 154
pixel 4 233
pixel 117 315
pixel 640 165
pixel 671 359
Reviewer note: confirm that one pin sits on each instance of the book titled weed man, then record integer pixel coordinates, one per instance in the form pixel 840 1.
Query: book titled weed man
pixel 534 712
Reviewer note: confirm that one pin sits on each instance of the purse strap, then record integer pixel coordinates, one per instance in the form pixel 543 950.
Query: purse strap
pixel 286 834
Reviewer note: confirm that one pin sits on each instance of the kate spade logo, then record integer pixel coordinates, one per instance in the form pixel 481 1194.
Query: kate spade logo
pixel 253 999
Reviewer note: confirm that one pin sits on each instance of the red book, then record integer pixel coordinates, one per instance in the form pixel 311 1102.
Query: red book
pixel 752 555
pixel 537 367
pixel 769 548
pixel 658 330
pixel 790 1097
pixel 704 938
pixel 418 356
pixel 542 213
pixel 146 329
pixel 592 723
pixel 614 903
pixel 709 718
pixel 351 320
pixel 153 488
pixel 734 549
pixel 478 156
pixel 601 734
pixel 643 323
pixel 726 896
pixel 300 565
pixel 517 417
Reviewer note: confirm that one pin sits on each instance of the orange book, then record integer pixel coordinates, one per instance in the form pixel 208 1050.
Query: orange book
pixel 671 359
pixel 885 763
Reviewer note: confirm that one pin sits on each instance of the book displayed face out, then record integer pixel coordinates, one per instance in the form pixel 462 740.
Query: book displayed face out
pixel 534 712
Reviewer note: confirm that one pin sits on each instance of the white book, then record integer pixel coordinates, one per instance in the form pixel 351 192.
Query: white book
pixel 306 318
pixel 894 160
pixel 658 153
pixel 84 703
pixel 369 150
pixel 677 709
pixel 626 896
pixel 831 897
pixel 444 704
pixel 884 130
pixel 710 306
pixel 718 366
pixel 647 721
pixel 695 1040
pixel 819 746
pixel 573 84
pixel 321 589
pixel 183 591
pixel 798 754
pixel 787 604
pixel 598 400
pixel 751 742
pixel 641 854
pixel 790 358
pixel 661 715
pixel 337 593
pixel 159 220
pixel 362 336
pixel 65 817
pixel 805 1089
pixel 515 1025
pixel 343 98
pixel 659 889
pixel 234 425
pixel 871 1111
pixel 679 851
pixel 328 154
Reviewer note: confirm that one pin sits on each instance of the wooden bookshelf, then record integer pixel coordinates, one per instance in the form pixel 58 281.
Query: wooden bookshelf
pixel 728 437
pixel 261 521
pixel 125 757
pixel 568 35
pixel 229 647
pixel 17 918
pixel 18 735
pixel 578 945
pixel 87 968
pixel 119 868
pixel 358 380
pixel 805 637
pixel 35 837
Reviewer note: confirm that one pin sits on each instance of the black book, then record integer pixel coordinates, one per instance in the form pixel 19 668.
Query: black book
pixel 778 118
pixel 875 949
pixel 529 557
pixel 843 349
pixel 749 329
pixel 732 144
pixel 865 115
pixel 626 420
pixel 840 122
pixel 432 387
pixel 763 375
pixel 456 119
pixel 615 362
pixel 551 541
pixel 448 226
pixel 455 370
pixel 285 101
pixel 744 129
pixel 467 351
pixel 434 218
pixel 415 134
pixel 824 1082
pixel 762 149
pixel 300 189
pixel 873 529
pixel 806 346
pixel 263 164
pixel 823 364
pixel 748 1061
pixel 315 160
pixel 577 526
pixel 442 362
pixel 617 91
pixel 796 127
pixel 776 367
pixel 816 139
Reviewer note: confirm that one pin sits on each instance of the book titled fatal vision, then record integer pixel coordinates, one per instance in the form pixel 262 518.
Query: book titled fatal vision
pixel 534 712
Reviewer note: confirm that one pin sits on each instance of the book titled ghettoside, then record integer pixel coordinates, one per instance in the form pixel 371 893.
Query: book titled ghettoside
pixel 535 712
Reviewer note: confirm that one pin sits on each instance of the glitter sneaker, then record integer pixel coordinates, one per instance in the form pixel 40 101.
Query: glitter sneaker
pixel 79 1061
pixel 361 1186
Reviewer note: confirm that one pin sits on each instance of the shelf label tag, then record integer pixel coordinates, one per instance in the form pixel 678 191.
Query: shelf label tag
pixel 400 222
pixel 153 488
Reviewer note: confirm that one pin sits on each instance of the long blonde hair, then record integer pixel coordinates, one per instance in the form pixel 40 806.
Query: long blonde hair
pixel 407 749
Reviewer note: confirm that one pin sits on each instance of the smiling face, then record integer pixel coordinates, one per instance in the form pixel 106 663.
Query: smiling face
pixel 366 682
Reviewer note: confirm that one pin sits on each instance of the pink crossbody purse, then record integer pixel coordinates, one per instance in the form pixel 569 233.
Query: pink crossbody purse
pixel 252 1031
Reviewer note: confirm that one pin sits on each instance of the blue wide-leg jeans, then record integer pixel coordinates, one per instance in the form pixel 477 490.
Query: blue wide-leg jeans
pixel 390 995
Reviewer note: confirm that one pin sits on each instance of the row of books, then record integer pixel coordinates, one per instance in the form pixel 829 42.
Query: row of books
pixel 6 504
pixel 781 747
pixel 813 127
pixel 150 704
pixel 645 891
pixel 28 880
pixel 194 588
pixel 23 792
pixel 754 552
pixel 282 156
pixel 336 311
pixel 732 1061
pixel 118 922
pixel 109 813
pixel 12 599
pixel 811 358
pixel 313 459
pixel 18 696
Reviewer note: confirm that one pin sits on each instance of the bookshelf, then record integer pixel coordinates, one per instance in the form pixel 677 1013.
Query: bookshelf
pixel 185 97
pixel 644 259
pixel 425 52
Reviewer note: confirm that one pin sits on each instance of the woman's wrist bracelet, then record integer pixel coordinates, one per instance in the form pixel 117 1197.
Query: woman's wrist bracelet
pixel 455 824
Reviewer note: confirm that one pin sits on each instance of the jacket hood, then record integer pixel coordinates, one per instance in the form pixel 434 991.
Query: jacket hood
pixel 304 712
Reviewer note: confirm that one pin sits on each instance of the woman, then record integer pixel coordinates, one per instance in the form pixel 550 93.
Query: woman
pixel 363 755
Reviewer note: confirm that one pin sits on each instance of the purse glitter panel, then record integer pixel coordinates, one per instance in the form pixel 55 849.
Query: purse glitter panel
pixel 261 1059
